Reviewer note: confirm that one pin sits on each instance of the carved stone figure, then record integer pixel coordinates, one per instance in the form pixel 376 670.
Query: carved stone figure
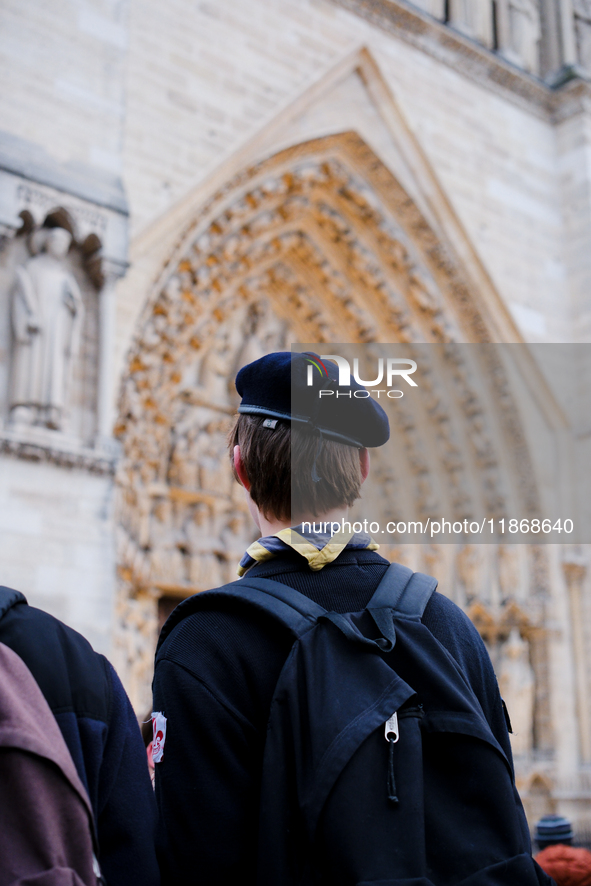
pixel 216 369
pixel 473 17
pixel 469 570
pixel 46 320
pixel 582 10
pixel 213 466
pixel 434 559
pixel 524 34
pixel 204 544
pixel 166 560
pixel 517 685
pixel 509 571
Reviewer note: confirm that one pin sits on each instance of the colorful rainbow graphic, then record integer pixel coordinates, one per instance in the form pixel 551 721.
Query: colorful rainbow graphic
pixel 315 360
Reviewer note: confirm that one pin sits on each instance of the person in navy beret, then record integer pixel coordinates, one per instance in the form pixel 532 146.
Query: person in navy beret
pixel 301 454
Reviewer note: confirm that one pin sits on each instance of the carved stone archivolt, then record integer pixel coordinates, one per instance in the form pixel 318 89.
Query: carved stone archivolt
pixel 318 244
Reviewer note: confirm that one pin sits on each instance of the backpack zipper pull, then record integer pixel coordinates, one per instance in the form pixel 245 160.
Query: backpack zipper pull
pixel 391 728
pixel 392 734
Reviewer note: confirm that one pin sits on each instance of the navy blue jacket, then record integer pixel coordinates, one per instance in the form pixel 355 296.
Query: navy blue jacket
pixel 215 675
pixel 100 730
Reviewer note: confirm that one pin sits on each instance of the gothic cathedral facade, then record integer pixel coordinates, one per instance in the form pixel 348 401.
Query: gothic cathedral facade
pixel 185 187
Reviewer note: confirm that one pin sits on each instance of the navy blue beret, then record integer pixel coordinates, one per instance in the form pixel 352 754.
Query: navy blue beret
pixel 553 829
pixel 277 386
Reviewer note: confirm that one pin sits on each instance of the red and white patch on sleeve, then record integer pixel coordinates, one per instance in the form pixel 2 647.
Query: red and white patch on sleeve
pixel 159 732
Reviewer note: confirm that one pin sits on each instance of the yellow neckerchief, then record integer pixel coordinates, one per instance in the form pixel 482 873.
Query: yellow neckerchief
pixel 324 549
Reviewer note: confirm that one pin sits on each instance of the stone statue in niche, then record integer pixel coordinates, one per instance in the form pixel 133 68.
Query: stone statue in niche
pixel 517 685
pixel 582 9
pixel 215 374
pixel 166 560
pixel 46 309
pixel 469 571
pixel 473 17
pixel 263 332
pixel 509 571
pixel 434 560
pixel 203 542
pixel 524 34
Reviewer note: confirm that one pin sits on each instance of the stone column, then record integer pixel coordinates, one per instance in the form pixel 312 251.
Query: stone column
pixel 574 572
pixel 112 272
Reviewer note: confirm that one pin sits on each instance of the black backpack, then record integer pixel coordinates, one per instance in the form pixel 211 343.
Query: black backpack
pixel 379 766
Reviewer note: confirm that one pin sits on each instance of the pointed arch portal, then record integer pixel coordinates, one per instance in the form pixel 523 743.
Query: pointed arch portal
pixel 319 243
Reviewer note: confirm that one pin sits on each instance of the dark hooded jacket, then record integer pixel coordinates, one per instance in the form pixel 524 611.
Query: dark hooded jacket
pixel 46 822
pixel 100 730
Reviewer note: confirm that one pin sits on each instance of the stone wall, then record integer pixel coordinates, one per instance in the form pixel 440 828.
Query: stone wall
pixel 63 69
pixel 227 72
pixel 62 112
pixel 56 542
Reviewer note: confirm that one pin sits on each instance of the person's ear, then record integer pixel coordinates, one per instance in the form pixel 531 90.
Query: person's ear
pixel 239 468
pixel 364 462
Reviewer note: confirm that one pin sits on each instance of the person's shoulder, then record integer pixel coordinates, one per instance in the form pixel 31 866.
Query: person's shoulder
pixel 454 630
pixel 440 607
pixel 46 629
pixel 214 622
pixel 71 675
pixel 233 651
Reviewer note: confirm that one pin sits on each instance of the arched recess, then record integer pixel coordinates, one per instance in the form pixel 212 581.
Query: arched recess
pixel 319 243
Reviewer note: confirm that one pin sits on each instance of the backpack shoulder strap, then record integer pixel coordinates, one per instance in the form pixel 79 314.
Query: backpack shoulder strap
pixel 416 596
pixel 293 610
pixel 404 592
pixel 401 592
pixel 296 611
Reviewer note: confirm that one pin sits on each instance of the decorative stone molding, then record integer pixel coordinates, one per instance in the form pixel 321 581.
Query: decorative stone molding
pixel 19 194
pixel 460 52
pixel 102 463
pixel 98 191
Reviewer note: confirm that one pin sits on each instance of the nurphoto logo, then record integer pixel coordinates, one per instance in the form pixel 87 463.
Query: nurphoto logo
pixel 388 370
